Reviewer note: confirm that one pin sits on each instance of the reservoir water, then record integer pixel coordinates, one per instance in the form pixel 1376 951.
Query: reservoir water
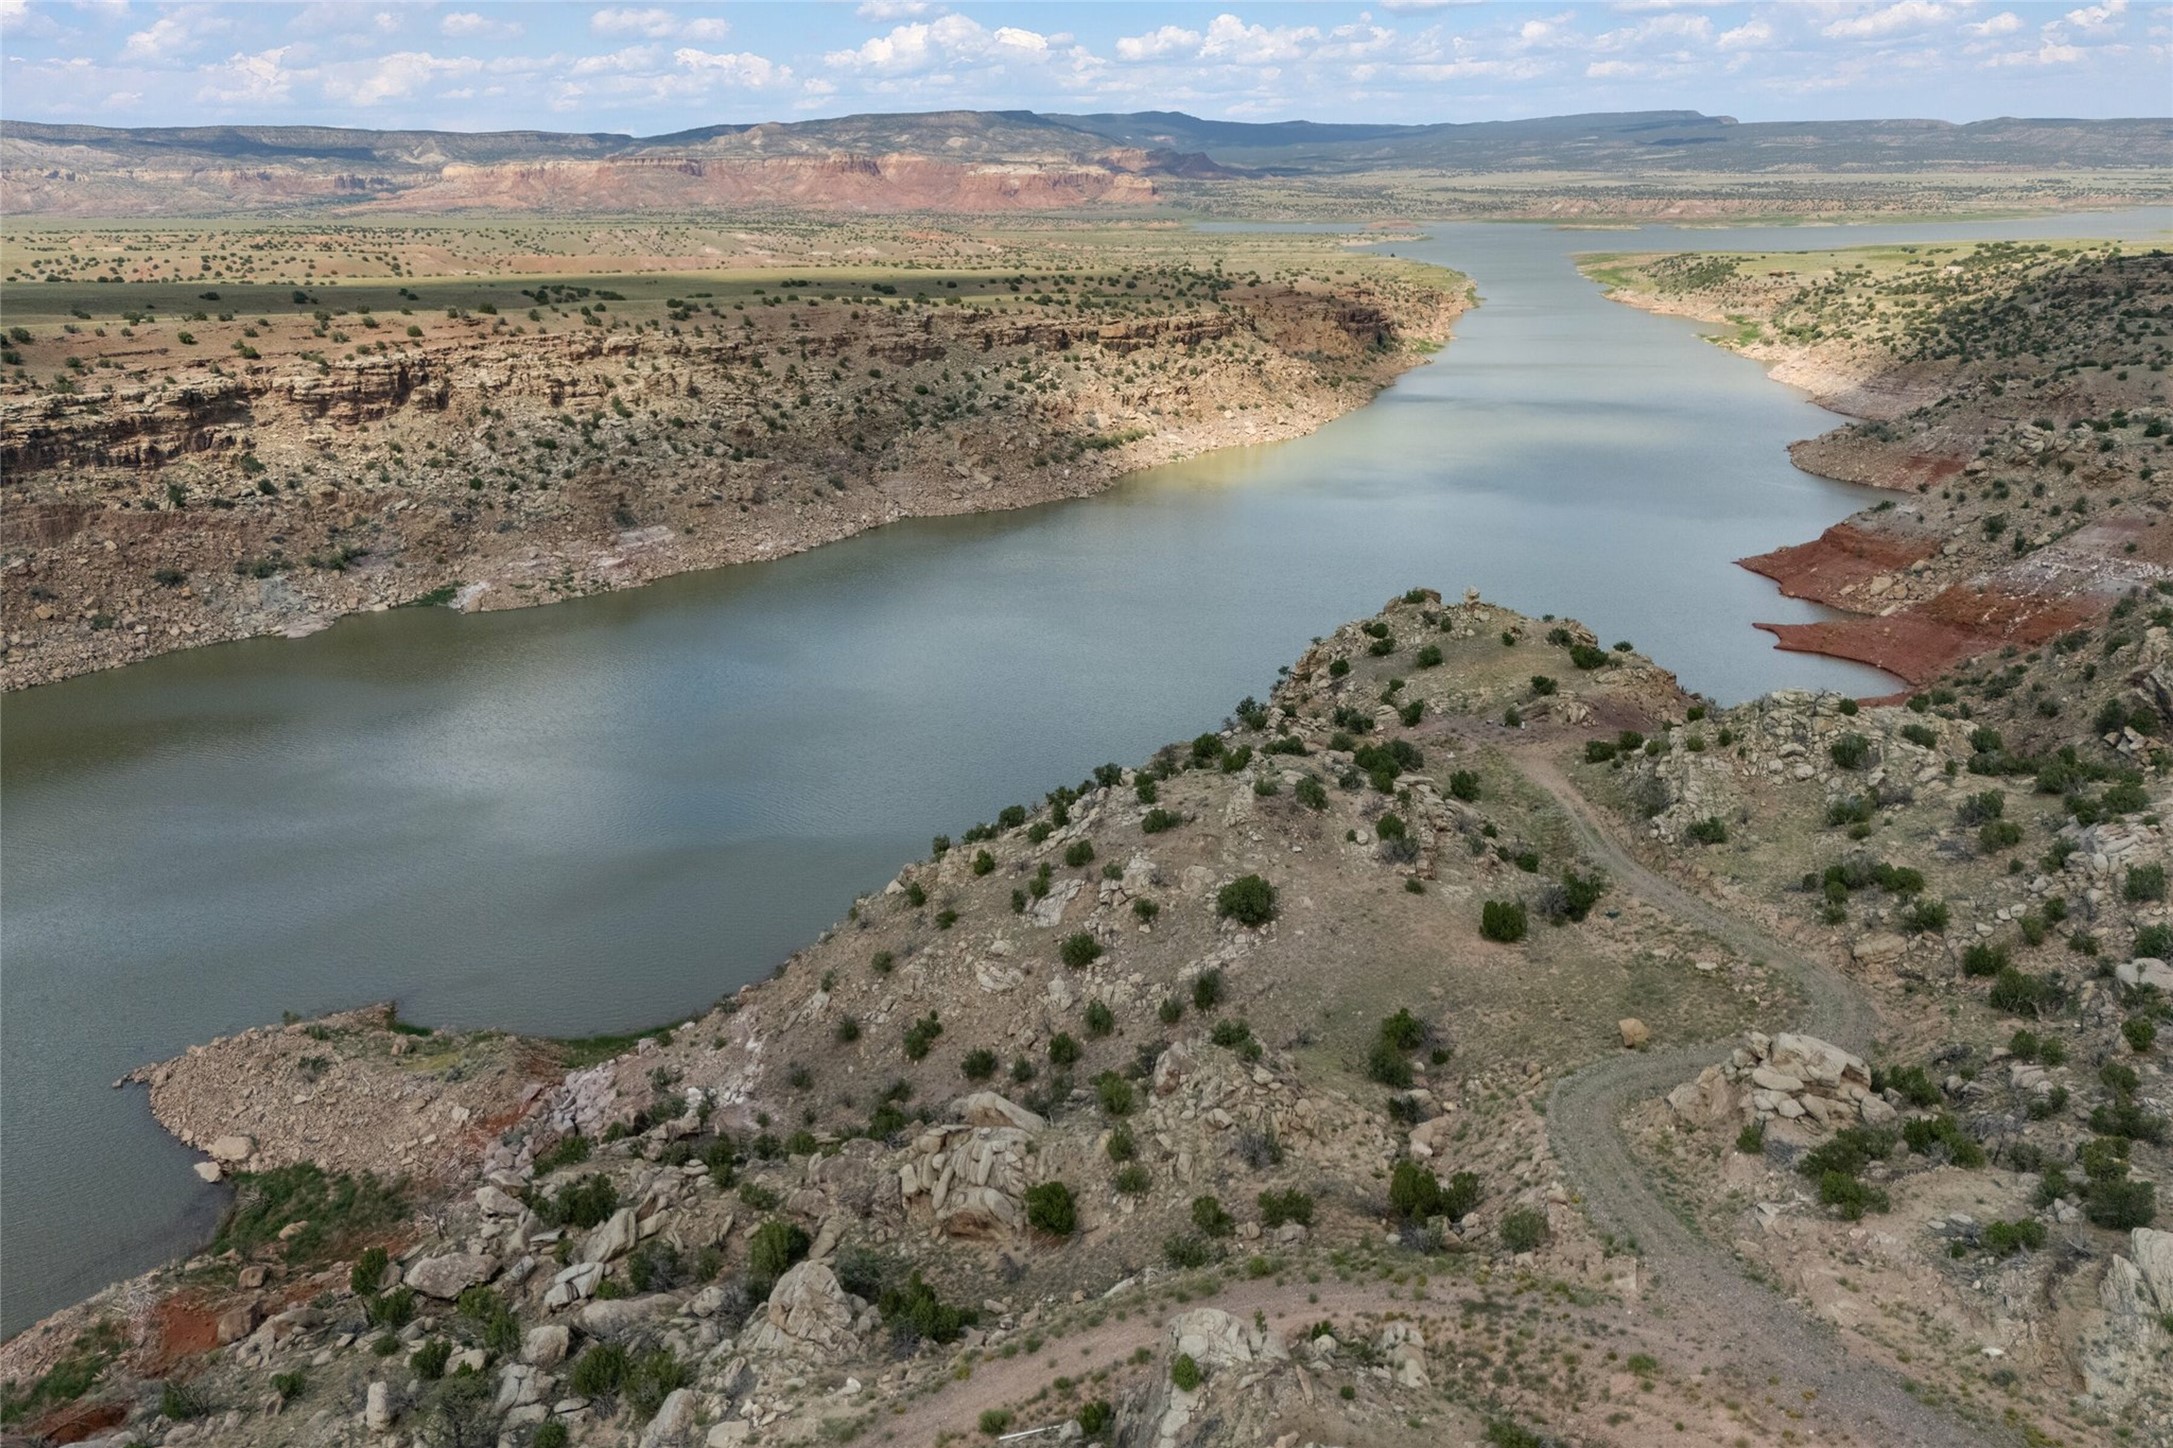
pixel 607 813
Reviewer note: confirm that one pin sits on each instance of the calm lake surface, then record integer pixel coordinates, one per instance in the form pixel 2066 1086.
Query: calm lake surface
pixel 605 814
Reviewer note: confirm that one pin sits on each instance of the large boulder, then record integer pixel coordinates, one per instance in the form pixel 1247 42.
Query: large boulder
pixel 614 1239
pixel 808 1314
pixel 1818 1062
pixel 1214 1338
pixel 232 1150
pixel 617 1317
pixel 973 1177
pixel 989 1108
pixel 446 1277
pixel 674 1421
pixel 546 1346
pixel 2153 1253
pixel 1171 1068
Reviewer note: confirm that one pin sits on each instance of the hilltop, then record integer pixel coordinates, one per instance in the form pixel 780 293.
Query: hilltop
pixel 1269 1090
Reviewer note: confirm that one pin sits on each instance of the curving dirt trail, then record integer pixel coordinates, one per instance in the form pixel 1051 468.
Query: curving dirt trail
pixel 1698 1279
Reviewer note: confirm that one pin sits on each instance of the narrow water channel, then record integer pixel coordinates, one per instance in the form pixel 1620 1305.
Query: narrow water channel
pixel 603 814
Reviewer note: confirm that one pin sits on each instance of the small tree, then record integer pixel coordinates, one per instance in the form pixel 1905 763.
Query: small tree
pixel 1049 1208
pixel 1249 900
pixel 1503 921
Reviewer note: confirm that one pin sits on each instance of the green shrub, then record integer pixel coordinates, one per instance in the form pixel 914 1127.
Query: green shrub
pixel 1926 917
pixel 2144 883
pixel 983 862
pixel 1115 1095
pixel 1231 1035
pixel 181 1403
pixel 2004 1239
pixel 1049 1208
pixel 1079 950
pixel 1095 1417
pixel 430 1359
pixel 921 1036
pixel 1386 1065
pixel 2023 995
pixel 1503 921
pixel 1185 1250
pixel 915 1314
pixel 1404 1031
pixel 1249 900
pixel 1157 820
pixel 1464 785
pixel 1281 1208
pixel 1712 830
pixel 1984 959
pixel 1523 1229
pixel 600 1372
pixel 994 1421
pixel 978 1065
pixel 1926 1134
pixel 1100 1019
pixel 1079 852
pixel 1413 1192
pixel 566 1151
pixel 1751 1140
pixel 1849 1151
pixel 1428 656
pixel 393 1310
pixel 1063 1050
pixel 776 1245
pixel 1185 1373
pixel 368 1271
pixel 1598 751
pixel 1133 1180
pixel 1207 989
pixel 1850 1197
pixel 2121 1206
pixel 2141 1033
pixel 1209 1217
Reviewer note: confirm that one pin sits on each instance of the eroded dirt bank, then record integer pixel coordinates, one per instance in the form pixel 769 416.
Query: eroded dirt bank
pixel 2014 404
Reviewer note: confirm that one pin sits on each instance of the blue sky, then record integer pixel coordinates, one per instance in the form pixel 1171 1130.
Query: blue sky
pixel 651 67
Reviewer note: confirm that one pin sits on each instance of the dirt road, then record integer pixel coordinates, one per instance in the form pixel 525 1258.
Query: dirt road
pixel 1697 1279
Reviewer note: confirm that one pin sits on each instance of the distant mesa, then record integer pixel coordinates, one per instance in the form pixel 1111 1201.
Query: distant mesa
pixel 960 161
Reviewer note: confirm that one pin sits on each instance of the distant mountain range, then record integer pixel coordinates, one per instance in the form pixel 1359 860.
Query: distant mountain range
pixel 965 160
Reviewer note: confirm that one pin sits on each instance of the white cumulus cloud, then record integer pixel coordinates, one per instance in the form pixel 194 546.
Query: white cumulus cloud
pixel 468 25
pixel 1231 39
pixel 1165 40
pixel 755 72
pixel 1894 19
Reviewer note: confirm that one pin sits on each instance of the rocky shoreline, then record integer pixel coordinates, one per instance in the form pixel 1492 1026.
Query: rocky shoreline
pixel 214 506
